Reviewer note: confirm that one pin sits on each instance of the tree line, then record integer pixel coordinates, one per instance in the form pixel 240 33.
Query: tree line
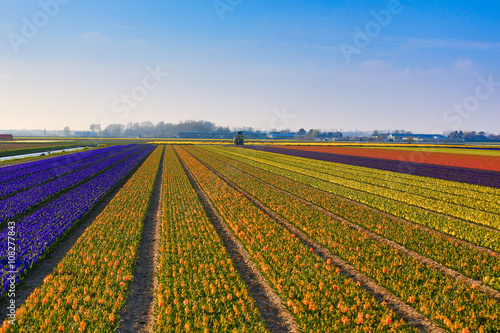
pixel 160 130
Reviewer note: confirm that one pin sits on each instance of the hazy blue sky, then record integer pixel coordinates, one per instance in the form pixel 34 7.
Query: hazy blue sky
pixel 425 66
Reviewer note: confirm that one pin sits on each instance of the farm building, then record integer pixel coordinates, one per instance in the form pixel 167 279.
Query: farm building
pixel 6 137
pixel 220 135
pixel 418 137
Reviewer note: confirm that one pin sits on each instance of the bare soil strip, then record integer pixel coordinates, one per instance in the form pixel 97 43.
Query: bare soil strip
pixel 412 224
pixel 271 307
pixel 138 313
pixel 410 315
pixel 47 265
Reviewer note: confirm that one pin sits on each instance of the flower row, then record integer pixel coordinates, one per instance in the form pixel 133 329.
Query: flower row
pixel 72 163
pixel 319 297
pixel 198 286
pixel 21 170
pixel 38 232
pixel 22 202
pixel 335 174
pixel 467 260
pixel 411 280
pixel 457 228
pixel 462 194
pixel 88 288
pixel 485 178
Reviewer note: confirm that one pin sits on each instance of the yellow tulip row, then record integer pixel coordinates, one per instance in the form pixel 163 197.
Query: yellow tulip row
pixel 88 288
pixel 199 288
pixel 320 298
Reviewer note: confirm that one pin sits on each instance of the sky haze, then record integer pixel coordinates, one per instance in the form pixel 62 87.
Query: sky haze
pixel 424 66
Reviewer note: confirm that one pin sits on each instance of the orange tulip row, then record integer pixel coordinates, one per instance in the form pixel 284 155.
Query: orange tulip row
pixel 88 288
pixel 424 288
pixel 199 288
pixel 314 291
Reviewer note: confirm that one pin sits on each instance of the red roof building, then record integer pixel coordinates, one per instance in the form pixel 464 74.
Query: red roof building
pixel 5 137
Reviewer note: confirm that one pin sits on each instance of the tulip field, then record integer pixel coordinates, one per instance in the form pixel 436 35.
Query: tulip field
pixel 255 239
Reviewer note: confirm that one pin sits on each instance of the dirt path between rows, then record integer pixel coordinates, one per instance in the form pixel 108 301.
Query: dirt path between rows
pixel 272 310
pixel 410 315
pixel 138 314
pixel 47 265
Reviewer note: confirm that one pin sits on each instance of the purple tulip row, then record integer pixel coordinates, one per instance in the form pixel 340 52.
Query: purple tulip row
pixel 463 175
pixel 40 231
pixel 41 177
pixel 21 170
pixel 23 201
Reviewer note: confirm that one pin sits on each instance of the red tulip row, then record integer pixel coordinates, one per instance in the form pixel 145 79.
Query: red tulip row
pixel 88 288
pixel 199 288
pixel 422 287
pixel 320 298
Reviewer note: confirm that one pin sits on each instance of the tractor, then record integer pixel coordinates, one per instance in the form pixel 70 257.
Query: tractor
pixel 238 139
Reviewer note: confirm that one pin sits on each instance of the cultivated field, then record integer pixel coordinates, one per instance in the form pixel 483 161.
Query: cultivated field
pixel 194 238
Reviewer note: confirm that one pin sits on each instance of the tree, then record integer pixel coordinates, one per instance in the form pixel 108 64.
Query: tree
pixel 469 135
pixel 67 131
pixel 301 132
pixel 312 134
pixel 114 130
pixel 410 139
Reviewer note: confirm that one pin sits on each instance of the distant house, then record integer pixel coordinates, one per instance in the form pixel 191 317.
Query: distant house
pixel 383 137
pixel 6 137
pixel 281 136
